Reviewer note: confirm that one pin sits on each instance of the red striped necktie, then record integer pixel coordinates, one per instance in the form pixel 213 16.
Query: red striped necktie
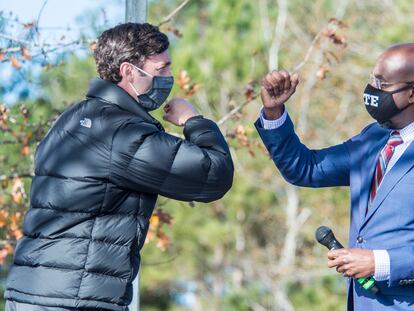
pixel 381 166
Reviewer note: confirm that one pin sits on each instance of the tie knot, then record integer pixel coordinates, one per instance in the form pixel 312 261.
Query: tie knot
pixel 395 139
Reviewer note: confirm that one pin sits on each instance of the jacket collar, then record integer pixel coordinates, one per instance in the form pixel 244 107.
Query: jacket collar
pixel 112 93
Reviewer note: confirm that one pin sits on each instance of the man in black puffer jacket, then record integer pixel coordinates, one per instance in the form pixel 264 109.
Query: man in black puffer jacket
pixel 98 173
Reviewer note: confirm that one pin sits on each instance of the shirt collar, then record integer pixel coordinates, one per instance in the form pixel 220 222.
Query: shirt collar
pixel 407 133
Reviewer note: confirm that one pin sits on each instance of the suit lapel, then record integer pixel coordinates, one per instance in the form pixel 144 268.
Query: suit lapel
pixel 401 167
pixel 371 154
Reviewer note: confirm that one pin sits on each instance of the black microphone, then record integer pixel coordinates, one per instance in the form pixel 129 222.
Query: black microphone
pixel 325 236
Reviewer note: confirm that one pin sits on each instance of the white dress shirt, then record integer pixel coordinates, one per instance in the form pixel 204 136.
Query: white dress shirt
pixel 381 257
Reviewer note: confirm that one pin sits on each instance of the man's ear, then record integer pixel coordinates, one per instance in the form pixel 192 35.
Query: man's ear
pixel 125 71
pixel 411 95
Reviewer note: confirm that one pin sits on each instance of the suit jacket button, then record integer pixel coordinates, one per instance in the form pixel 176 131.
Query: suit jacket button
pixel 360 239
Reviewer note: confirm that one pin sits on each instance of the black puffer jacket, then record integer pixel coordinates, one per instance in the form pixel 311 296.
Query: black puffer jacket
pixel 98 173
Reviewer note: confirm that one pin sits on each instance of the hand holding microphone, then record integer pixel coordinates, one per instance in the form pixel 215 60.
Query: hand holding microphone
pixel 357 263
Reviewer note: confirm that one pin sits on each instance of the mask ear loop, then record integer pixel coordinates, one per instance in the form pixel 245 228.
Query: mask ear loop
pixel 140 70
pixel 135 90
pixel 411 84
pixel 403 89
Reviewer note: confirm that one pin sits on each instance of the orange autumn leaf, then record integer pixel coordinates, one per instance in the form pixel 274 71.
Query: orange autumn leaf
pixel 29 25
pixel 9 248
pixel 150 236
pixel 18 192
pixel 249 92
pixel 192 89
pixel 154 221
pixel 164 218
pixel 183 79
pixel 17 233
pixel 25 150
pixel 321 74
pixel 15 63
pixel 163 241
pixel 3 218
pixel 92 46
pixel 26 138
pixel 3 255
pixel 175 32
pixel 25 53
pixel 4 117
pixel 17 198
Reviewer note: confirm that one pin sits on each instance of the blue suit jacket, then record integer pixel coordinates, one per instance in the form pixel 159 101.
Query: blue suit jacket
pixel 389 223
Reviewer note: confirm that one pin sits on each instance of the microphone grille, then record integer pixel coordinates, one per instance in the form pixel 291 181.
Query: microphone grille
pixel 321 233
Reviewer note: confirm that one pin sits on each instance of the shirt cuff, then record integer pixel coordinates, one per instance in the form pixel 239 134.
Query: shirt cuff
pixel 382 265
pixel 272 124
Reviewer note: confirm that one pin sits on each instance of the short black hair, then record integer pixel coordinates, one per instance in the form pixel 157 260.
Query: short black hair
pixel 129 42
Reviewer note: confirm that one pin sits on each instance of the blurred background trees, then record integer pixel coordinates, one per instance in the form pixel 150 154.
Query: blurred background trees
pixel 255 248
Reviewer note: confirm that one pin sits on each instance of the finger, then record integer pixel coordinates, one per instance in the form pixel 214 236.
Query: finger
pixel 287 84
pixel 273 78
pixel 294 79
pixel 279 80
pixel 334 263
pixel 273 85
pixel 333 254
pixel 265 95
pixel 294 83
pixel 344 269
pixel 339 261
pixel 360 275
pixel 268 87
pixel 340 252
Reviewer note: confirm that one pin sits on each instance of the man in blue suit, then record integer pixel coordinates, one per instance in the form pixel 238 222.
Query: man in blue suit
pixel 377 164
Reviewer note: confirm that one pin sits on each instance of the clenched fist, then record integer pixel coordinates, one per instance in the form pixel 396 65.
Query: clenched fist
pixel 277 87
pixel 178 111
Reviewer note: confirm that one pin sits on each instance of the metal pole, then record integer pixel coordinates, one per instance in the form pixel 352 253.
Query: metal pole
pixel 135 12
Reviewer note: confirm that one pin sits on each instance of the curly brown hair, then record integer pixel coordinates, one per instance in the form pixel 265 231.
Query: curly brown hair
pixel 129 42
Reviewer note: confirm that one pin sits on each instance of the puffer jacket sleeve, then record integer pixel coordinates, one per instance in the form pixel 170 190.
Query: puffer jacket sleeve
pixel 197 168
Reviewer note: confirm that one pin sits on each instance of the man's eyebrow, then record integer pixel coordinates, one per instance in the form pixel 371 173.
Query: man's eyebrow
pixel 165 65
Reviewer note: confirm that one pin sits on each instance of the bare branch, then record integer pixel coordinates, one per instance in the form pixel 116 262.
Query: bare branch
pixel 28 43
pixel 236 109
pixel 168 18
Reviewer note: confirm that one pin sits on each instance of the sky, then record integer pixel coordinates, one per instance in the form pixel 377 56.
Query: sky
pixel 59 13
pixel 55 19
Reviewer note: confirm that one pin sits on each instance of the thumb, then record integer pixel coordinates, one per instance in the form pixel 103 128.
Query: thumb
pixel 265 94
pixel 294 80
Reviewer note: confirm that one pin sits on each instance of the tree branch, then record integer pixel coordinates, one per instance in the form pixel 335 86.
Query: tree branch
pixel 168 18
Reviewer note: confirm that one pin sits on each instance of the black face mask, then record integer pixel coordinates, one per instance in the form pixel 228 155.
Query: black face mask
pixel 380 104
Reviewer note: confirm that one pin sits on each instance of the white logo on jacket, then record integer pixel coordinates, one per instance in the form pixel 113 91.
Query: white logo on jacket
pixel 86 123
